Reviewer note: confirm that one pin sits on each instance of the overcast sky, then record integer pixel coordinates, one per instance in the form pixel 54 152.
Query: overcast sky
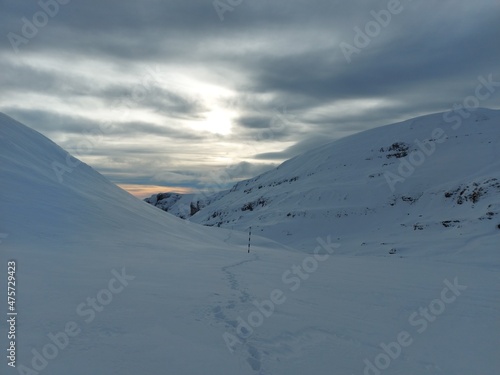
pixel 192 94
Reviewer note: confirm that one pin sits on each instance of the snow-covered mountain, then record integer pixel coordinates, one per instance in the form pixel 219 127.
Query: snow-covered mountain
pixel 437 175
pixel 107 284
pixel 71 232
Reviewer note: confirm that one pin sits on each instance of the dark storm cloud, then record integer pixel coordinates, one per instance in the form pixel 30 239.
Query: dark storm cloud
pixel 68 84
pixel 402 64
pixel 254 122
pixel 281 59
pixel 23 78
pixel 155 98
pixel 52 124
pixel 266 129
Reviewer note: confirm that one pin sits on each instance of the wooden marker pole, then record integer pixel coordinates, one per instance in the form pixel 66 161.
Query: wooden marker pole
pixel 249 235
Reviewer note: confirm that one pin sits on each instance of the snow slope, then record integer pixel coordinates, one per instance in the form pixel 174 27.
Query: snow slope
pixel 376 188
pixel 139 291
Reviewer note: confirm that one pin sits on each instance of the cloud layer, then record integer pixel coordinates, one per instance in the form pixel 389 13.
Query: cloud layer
pixel 174 93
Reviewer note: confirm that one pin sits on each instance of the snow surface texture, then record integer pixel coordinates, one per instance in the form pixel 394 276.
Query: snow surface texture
pixel 143 292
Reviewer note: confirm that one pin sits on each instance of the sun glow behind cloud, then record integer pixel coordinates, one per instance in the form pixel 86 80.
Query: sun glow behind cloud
pixel 218 121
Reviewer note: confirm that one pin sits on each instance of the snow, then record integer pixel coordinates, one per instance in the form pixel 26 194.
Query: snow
pixel 189 286
pixel 342 189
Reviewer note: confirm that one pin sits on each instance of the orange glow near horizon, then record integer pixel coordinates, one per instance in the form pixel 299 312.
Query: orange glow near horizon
pixel 145 191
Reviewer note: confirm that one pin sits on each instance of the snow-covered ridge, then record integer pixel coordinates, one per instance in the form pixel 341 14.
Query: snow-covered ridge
pixel 375 184
pixel 126 277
